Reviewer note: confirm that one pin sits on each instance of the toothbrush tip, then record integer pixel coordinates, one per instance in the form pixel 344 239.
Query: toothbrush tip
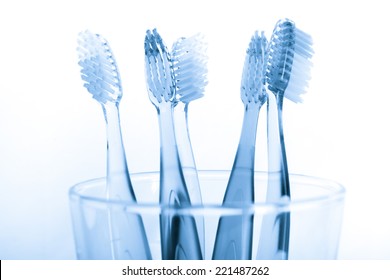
pixel 98 67
pixel 158 69
pixel 253 75
pixel 189 64
pixel 288 66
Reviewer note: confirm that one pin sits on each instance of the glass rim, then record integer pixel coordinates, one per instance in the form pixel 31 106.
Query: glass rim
pixel 335 189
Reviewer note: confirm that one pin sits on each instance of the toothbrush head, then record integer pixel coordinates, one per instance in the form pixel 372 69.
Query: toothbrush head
pixel 159 76
pixel 98 68
pixel 253 75
pixel 289 60
pixel 189 62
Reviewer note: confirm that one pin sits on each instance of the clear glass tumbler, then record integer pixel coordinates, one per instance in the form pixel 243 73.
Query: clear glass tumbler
pixel 315 216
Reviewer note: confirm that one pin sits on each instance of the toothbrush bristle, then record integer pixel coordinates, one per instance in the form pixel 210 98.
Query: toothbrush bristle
pixel 289 61
pixel 99 69
pixel 158 69
pixel 189 63
pixel 253 75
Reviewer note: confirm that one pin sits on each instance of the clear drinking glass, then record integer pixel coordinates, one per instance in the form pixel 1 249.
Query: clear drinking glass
pixel 315 211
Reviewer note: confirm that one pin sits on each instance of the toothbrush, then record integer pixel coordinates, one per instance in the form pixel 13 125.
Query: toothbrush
pixel 102 80
pixel 189 63
pixel 288 73
pixel 179 238
pixel 234 234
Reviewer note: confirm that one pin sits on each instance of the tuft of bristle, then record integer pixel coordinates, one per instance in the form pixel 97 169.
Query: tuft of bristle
pixel 189 64
pixel 253 75
pixel 289 60
pixel 159 76
pixel 99 68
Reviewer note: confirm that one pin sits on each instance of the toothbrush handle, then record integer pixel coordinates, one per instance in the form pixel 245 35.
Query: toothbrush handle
pixel 179 238
pixel 188 163
pixel 275 230
pixel 274 237
pixel 234 234
pixel 127 232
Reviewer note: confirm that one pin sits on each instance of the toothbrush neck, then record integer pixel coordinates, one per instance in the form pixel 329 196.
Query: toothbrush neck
pixel 183 136
pixel 186 154
pixel 167 129
pixel 116 159
pixel 181 119
pixel 279 100
pixel 182 108
pixel 273 131
pixel 275 118
pixel 249 126
pixel 246 149
pixel 118 178
pixel 278 181
pixel 172 178
pixel 240 185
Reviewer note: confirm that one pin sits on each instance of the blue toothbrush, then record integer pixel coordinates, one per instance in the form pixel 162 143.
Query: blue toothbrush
pixel 179 238
pixel 102 80
pixel 288 73
pixel 234 234
pixel 189 63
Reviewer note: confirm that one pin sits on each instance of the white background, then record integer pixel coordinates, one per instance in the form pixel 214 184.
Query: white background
pixel 52 133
